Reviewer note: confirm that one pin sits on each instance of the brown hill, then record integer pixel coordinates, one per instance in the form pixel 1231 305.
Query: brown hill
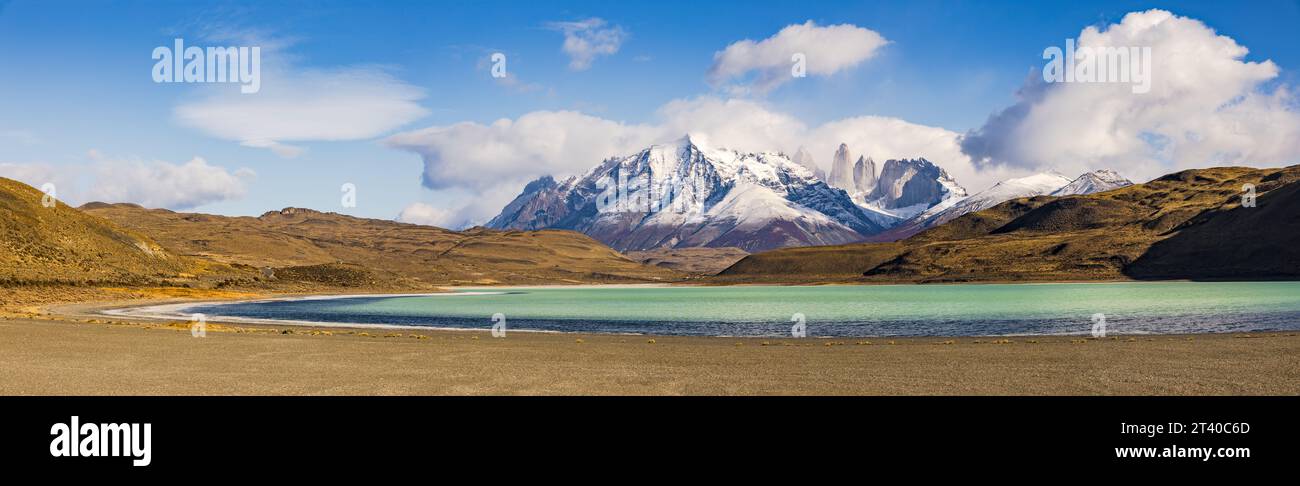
pixel 694 261
pixel 333 249
pixel 1232 243
pixel 61 245
pixel 1182 225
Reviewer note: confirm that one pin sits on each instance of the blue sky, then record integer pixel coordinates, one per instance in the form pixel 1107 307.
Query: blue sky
pixel 77 74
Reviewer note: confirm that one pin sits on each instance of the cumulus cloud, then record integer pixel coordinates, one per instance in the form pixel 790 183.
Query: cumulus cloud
pixel 153 184
pixel 429 215
pixel 767 64
pixel 883 138
pixel 36 174
pixel 158 184
pixel 479 168
pixel 480 156
pixel 1207 106
pixel 492 162
pixel 740 124
pixel 584 40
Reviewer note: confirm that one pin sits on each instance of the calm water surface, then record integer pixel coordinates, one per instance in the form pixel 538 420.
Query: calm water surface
pixel 893 310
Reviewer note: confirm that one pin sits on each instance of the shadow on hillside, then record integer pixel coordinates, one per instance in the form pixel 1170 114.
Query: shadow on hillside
pixel 1255 243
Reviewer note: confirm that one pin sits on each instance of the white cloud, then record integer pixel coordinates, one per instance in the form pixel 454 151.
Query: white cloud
pixel 734 123
pixel 1206 107
pixel 883 138
pixel 284 150
pixel 299 104
pixel 490 163
pixel 480 168
pixel 584 40
pixel 752 126
pixel 153 184
pixel 826 49
pixel 160 184
pixel 425 214
pixel 478 156
pixel 36 174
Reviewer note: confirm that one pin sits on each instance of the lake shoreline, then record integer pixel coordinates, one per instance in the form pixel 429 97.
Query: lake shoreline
pixel 170 310
pixel 73 350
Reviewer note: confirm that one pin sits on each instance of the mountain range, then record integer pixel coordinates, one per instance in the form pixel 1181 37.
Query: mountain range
pixel 1193 224
pixel 687 195
pixel 684 195
pixel 1049 183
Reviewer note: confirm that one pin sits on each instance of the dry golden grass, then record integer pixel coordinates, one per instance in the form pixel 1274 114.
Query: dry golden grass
pixel 181 293
pixel 336 250
pixel 62 245
pixel 694 261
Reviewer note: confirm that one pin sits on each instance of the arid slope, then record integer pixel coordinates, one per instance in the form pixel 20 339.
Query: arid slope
pixel 693 261
pixel 58 244
pixel 304 244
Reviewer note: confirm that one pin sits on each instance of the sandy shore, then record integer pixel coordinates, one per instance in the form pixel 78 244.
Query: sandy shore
pixel 88 355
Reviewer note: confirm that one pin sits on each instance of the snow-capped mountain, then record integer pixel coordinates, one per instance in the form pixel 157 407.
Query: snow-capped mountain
pixel 1034 185
pixel 1048 183
pixel 686 195
pixel 802 157
pixel 856 178
pixel 906 188
pixel 1096 181
pixel 909 182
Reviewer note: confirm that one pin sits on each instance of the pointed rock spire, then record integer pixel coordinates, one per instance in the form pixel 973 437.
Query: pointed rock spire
pixel 842 169
pixel 864 174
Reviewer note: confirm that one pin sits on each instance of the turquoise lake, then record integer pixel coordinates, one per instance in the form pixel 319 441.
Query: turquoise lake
pixel 884 310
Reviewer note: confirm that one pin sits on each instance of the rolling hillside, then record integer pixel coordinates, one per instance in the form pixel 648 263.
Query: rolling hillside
pixel 1187 225
pixel 312 246
pixel 293 249
pixel 692 261
pixel 61 245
